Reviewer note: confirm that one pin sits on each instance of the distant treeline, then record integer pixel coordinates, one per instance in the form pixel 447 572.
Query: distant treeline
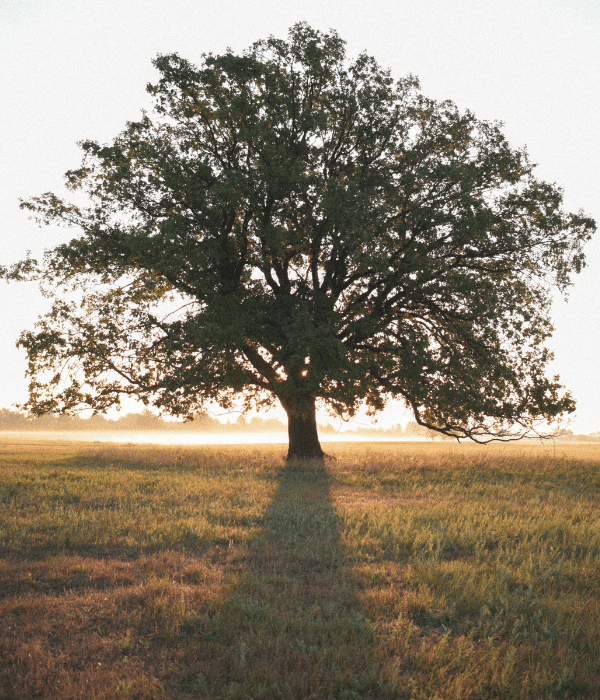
pixel 13 420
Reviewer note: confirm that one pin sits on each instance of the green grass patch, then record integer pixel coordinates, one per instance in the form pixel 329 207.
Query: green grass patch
pixel 412 570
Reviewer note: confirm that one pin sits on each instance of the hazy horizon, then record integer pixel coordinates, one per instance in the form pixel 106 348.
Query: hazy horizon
pixel 200 438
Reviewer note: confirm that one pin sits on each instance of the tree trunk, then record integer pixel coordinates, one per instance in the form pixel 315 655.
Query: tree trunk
pixel 302 430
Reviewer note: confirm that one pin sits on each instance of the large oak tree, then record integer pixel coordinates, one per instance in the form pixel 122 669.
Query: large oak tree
pixel 290 226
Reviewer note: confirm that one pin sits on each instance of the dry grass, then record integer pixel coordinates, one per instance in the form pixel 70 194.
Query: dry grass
pixel 400 571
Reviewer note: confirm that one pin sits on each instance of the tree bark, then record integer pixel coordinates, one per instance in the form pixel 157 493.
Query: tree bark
pixel 302 430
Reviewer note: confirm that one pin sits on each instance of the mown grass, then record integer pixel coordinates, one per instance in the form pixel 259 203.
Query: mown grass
pixel 398 571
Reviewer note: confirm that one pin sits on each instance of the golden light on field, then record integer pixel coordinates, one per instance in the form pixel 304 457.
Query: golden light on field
pixel 156 571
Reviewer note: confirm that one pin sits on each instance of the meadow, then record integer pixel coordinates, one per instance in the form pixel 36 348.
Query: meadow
pixel 409 570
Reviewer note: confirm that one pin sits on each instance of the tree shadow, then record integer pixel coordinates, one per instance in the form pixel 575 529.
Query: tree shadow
pixel 272 617
pixel 291 626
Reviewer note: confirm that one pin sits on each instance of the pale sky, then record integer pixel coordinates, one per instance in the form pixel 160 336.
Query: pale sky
pixel 77 69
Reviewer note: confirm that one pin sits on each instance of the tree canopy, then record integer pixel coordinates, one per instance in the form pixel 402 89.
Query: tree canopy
pixel 293 226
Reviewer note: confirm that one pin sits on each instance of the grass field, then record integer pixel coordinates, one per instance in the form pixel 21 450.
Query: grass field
pixel 407 570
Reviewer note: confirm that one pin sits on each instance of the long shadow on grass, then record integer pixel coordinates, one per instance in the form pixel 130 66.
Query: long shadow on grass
pixel 291 628
pixel 274 618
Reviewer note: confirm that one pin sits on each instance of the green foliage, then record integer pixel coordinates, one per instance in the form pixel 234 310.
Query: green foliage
pixel 293 226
